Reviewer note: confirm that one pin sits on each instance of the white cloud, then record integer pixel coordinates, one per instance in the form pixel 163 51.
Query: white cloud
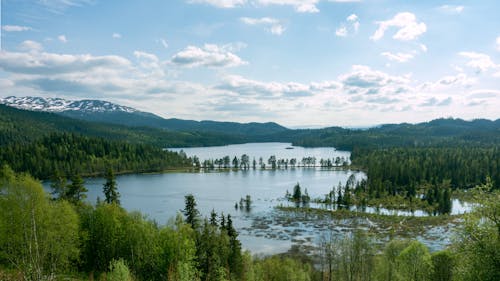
pixel 398 57
pixel 408 27
pixel 221 3
pixel 164 43
pixel 209 55
pixel 364 77
pixel 31 46
pixel 271 24
pixel 50 63
pixel 350 26
pixel 116 35
pixel 59 6
pixel 480 62
pixel 498 43
pixel 461 79
pixel 341 31
pixel 15 28
pixel 452 9
pixel 423 47
pixel 62 38
pixel 301 6
pixel 362 94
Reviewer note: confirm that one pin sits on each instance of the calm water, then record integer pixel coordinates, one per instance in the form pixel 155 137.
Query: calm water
pixel 161 196
pixel 264 150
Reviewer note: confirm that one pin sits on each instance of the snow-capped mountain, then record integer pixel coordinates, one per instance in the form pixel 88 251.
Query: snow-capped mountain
pixel 63 105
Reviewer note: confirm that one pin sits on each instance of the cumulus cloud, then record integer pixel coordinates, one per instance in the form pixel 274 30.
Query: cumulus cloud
pixel 209 55
pixel 116 35
pixel 271 24
pixel 15 28
pixel 408 27
pixel 42 63
pixel 243 86
pixel 398 57
pixel 478 61
pixel 350 26
pixel 62 38
pixel 363 77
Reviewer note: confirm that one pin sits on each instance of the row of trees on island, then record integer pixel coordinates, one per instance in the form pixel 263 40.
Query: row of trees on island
pixel 435 199
pixel 244 162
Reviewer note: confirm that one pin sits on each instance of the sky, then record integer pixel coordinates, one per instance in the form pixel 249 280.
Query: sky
pixel 308 63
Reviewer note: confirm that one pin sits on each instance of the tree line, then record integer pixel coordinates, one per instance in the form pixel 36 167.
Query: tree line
pixel 404 170
pixel 272 162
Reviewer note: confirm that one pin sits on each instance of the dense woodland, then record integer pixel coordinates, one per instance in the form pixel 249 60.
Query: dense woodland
pixel 72 153
pixel 47 239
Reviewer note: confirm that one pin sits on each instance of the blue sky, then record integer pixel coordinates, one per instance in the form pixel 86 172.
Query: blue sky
pixel 298 63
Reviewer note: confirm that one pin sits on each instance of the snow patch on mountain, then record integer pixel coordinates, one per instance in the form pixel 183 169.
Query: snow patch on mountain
pixel 61 105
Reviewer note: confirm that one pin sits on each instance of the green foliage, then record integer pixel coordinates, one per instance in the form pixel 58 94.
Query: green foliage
pixel 110 188
pixel 118 271
pixel 443 263
pixel 59 155
pixel 75 192
pixel 38 237
pixel 478 242
pixel 297 193
pixel 190 211
pixel 414 262
pixel 280 269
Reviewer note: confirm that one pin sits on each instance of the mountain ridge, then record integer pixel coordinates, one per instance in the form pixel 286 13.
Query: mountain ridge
pixel 107 112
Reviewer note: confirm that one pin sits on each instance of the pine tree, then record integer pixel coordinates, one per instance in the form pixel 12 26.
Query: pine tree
pixel 58 185
pixel 190 211
pixel 76 190
pixel 297 193
pixel 213 218
pixel 110 189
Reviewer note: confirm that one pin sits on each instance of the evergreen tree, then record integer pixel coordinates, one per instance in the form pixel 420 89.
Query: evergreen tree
pixel 213 218
pixel 110 188
pixel 75 192
pixel 58 185
pixel 190 211
pixel 297 193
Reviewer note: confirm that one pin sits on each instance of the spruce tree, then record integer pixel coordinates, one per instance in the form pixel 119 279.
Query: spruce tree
pixel 190 211
pixel 110 189
pixel 76 190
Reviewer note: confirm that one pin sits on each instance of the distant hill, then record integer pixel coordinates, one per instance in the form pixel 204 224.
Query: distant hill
pixel 103 119
pixel 23 126
pixel 438 132
pixel 107 112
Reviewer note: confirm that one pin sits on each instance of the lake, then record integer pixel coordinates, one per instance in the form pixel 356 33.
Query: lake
pixel 262 230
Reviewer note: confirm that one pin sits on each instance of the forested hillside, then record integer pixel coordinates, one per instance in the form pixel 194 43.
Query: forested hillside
pixel 23 126
pixel 439 133
pixel 67 154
